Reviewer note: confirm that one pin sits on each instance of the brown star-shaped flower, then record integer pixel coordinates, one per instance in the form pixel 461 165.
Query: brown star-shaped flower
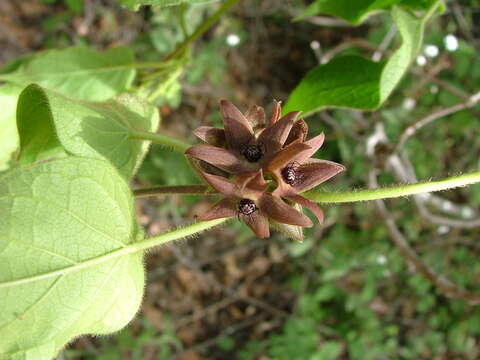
pixel 249 148
pixel 247 199
pixel 296 172
pixel 245 144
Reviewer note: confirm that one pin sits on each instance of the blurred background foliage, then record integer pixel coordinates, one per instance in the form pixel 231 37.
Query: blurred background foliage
pixel 346 292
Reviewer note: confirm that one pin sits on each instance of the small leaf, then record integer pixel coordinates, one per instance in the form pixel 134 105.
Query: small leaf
pixel 356 82
pixel 51 125
pixel 78 72
pixel 135 4
pixel 65 265
pixel 8 134
pixel 354 12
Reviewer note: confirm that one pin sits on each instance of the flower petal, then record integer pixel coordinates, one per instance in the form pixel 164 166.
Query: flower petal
pixel 299 132
pixel 276 113
pixel 313 207
pixel 222 185
pixel 238 130
pixel 281 212
pixel 222 209
pixel 258 182
pixel 256 186
pixel 219 157
pixel 315 173
pixel 251 185
pixel 274 136
pixel 315 144
pixel 286 155
pixel 211 135
pixel 256 116
pixel 243 179
pixel 258 222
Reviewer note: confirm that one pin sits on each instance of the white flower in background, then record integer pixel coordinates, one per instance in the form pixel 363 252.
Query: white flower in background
pixel 451 42
pixel 381 259
pixel 409 104
pixel 233 40
pixel 431 51
pixel 421 60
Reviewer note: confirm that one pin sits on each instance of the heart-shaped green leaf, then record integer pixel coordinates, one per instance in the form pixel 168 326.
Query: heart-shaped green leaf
pixel 78 72
pixel 356 82
pixel 66 268
pixel 51 124
pixel 8 134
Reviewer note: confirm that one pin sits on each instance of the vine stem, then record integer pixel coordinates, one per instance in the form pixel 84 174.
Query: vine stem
pixel 394 191
pixel 335 197
pixel 176 144
pixel 124 251
pixel 200 30
pixel 176 234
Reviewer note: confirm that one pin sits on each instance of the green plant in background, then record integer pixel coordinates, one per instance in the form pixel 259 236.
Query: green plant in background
pixel 77 126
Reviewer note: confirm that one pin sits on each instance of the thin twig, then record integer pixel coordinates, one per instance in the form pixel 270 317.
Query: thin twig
pixel 361 43
pixel 412 129
pixel 327 21
pixel 387 40
pixel 442 83
pixel 202 28
pixel 404 171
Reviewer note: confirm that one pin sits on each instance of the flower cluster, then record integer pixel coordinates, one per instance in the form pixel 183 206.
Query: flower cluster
pixel 261 167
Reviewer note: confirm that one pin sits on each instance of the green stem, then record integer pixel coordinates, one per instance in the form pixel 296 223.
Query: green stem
pixel 181 19
pixel 334 197
pixel 176 144
pixel 200 30
pixel 127 250
pixel 180 189
pixel 177 234
pixel 434 7
pixel 395 191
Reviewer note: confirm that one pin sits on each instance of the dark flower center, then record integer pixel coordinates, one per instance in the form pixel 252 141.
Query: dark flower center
pixel 290 175
pixel 247 207
pixel 252 153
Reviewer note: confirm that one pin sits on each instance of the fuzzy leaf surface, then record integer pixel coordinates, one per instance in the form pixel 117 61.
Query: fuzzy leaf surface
pixel 78 72
pixel 61 222
pixel 8 134
pixel 52 125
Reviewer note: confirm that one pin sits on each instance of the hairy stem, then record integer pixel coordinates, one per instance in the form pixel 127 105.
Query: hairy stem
pixel 394 191
pixel 202 28
pixel 334 197
pixel 175 144
pixel 179 189
pixel 177 234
